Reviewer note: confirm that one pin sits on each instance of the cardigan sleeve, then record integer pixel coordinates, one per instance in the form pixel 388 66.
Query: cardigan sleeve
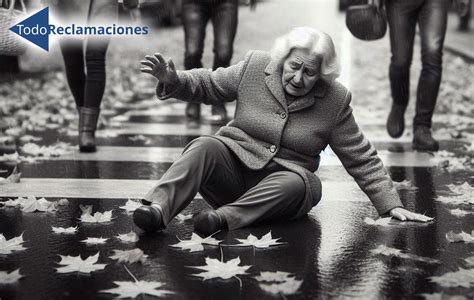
pixel 361 161
pixel 206 86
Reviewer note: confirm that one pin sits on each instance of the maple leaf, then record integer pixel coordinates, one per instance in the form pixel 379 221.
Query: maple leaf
pixel 85 209
pixel 461 189
pixel 10 278
pixel 130 237
pixel 455 200
pixel 63 202
pixel 132 289
pixel 98 217
pixel 215 268
pixel 77 264
pixel 470 261
pixel 388 251
pixel 131 206
pixel 130 256
pixel 378 222
pixel 277 276
pixel 91 241
pixel 32 204
pixel 62 230
pixel 196 243
pixel 264 242
pixel 181 218
pixel 460 213
pixel 13 178
pixel 13 244
pixel 462 277
pixel 29 138
pixel 405 185
pixel 470 147
pixel 287 287
pixel 460 237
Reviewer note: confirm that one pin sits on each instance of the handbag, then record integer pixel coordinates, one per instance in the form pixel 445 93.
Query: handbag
pixel 367 22
pixel 10 43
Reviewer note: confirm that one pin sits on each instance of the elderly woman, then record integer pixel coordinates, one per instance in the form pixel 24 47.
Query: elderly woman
pixel 260 166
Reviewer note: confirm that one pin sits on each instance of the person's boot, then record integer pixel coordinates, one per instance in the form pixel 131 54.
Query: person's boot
pixel 208 221
pixel 193 111
pixel 396 121
pixel 423 140
pixel 88 117
pixel 148 218
pixel 219 114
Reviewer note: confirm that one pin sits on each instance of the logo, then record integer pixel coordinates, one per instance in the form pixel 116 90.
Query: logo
pixel 37 29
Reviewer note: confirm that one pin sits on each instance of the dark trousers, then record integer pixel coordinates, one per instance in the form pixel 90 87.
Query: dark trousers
pixel 240 195
pixel 224 16
pixel 403 16
pixel 87 84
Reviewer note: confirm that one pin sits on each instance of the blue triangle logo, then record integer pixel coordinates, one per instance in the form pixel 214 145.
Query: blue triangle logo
pixel 35 29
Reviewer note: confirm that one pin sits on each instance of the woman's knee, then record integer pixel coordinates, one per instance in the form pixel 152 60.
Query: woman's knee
pixel 206 144
pixel 290 184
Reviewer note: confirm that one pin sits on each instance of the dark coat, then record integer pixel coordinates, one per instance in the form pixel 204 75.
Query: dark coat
pixel 266 130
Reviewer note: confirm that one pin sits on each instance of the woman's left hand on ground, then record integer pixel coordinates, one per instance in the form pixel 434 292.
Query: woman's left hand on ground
pixel 406 215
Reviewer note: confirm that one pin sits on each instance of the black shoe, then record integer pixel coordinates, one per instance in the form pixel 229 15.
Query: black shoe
pixel 88 117
pixel 219 114
pixel 148 218
pixel 145 202
pixel 396 121
pixel 193 111
pixel 423 140
pixel 208 222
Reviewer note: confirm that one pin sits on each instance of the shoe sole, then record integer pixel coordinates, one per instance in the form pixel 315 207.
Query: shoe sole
pixel 424 149
pixel 87 149
pixel 145 221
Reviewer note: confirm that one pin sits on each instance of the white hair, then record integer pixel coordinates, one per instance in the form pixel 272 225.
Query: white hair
pixel 317 42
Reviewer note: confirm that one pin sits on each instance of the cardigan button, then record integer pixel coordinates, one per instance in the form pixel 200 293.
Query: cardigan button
pixel 273 148
pixel 283 115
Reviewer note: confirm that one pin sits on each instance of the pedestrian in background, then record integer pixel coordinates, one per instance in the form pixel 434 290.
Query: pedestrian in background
pixel 224 16
pixel 84 61
pixel 431 17
pixel 261 166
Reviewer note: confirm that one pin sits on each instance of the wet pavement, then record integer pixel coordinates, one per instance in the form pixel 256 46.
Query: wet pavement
pixel 333 250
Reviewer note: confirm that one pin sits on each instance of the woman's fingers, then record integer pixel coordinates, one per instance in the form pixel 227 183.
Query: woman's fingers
pixel 398 215
pixel 153 59
pixel 406 215
pixel 160 58
pixel 146 70
pixel 171 65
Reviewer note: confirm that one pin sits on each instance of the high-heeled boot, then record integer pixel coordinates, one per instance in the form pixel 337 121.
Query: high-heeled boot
pixel 88 117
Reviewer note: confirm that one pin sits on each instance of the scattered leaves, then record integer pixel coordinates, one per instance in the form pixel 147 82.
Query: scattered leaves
pixel 132 289
pixel 460 237
pixel 460 212
pixel 288 287
pixel 265 242
pixel 195 243
pixel 13 244
pixel 462 278
pixel 129 256
pixel 405 185
pixel 130 206
pixel 54 150
pixel 181 218
pixel 215 268
pixel 277 276
pixel 141 137
pixel 10 278
pixel 91 241
pixel 130 237
pixel 388 251
pixel 77 264
pixel 31 204
pixel 62 230
pixel 97 217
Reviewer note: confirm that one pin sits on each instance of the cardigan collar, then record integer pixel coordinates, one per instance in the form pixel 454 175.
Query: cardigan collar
pixel 273 81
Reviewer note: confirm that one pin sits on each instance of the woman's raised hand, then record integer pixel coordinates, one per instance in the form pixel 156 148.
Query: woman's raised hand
pixel 406 215
pixel 157 66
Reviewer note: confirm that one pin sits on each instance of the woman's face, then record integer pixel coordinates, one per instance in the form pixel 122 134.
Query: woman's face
pixel 301 70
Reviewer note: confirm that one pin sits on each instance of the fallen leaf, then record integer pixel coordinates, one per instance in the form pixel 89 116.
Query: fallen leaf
pixel 215 268
pixel 461 189
pixel 264 242
pixel 63 202
pixel 10 278
pixel 54 150
pixel 13 178
pixel 132 289
pixel 181 218
pixel 440 296
pixel 85 209
pixel 92 241
pixel 470 261
pixel 130 237
pixel 405 185
pixel 288 287
pixel 129 256
pixel 277 276
pixel 29 138
pixel 98 217
pixel 378 222
pixel 388 251
pixel 13 244
pixel 460 212
pixel 32 204
pixel 462 278
pixel 131 206
pixel 460 237
pixel 455 200
pixel 469 148
pixel 63 230
pixel 77 264
pixel 195 243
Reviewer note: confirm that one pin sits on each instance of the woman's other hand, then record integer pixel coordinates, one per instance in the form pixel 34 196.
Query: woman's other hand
pixel 406 215
pixel 164 71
